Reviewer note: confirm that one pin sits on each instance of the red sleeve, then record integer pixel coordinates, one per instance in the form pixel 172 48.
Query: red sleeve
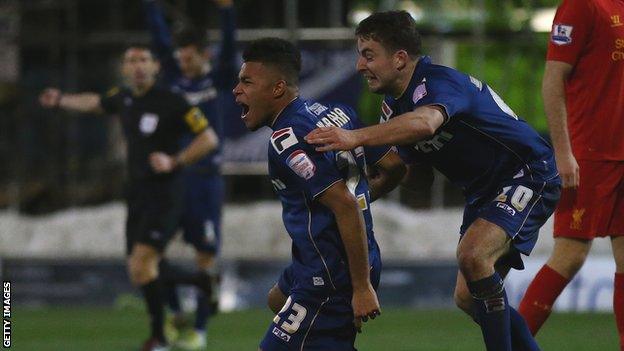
pixel 571 31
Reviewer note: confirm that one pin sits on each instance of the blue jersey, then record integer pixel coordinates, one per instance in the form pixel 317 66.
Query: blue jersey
pixel 300 174
pixel 202 91
pixel 481 143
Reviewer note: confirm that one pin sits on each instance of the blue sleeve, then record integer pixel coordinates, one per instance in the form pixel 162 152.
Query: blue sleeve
pixel 312 171
pixel 226 71
pixel 445 89
pixel 162 41
pixel 373 153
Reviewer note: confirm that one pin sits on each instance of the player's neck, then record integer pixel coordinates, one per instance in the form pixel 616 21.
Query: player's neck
pixel 402 82
pixel 283 102
pixel 142 89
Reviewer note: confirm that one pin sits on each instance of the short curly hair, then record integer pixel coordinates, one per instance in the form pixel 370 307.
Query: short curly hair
pixel 278 53
pixel 394 30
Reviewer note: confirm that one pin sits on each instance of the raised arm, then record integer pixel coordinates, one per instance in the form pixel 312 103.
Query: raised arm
pixel 407 128
pixel 553 92
pixel 162 41
pixel 227 72
pixel 351 227
pixel 79 102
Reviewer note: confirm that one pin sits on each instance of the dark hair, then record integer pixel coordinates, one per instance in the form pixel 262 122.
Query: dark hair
pixel 191 36
pixel 394 30
pixel 279 53
pixel 139 46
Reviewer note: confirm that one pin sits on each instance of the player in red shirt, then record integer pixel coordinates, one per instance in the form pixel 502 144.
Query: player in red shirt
pixel 583 92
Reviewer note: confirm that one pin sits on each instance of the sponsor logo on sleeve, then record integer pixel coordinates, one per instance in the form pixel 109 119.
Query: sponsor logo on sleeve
pixel 561 34
pixel 282 139
pixel 148 123
pixel 420 92
pixel 301 164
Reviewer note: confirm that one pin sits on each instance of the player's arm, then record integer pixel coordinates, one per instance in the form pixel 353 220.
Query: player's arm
pixel 204 142
pixel 200 146
pixel 79 102
pixel 410 127
pixel 386 174
pixel 162 41
pixel 227 71
pixel 553 92
pixel 353 234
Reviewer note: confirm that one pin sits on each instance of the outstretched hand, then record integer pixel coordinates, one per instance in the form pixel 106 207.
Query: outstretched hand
pixel 332 138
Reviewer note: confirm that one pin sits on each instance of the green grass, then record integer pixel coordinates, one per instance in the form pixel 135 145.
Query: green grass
pixel 86 329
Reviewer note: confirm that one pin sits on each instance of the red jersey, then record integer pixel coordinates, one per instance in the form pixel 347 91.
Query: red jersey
pixel 589 35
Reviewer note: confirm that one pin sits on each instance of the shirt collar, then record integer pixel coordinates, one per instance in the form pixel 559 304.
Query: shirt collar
pixel 293 105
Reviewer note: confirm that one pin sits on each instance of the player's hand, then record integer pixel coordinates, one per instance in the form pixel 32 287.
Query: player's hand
pixel 568 170
pixel 50 97
pixel 365 305
pixel 224 3
pixel 161 162
pixel 332 138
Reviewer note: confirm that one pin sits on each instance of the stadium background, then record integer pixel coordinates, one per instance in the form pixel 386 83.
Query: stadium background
pixel 61 218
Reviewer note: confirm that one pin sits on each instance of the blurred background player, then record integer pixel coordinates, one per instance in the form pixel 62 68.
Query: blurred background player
pixel 186 68
pixel 460 126
pixel 153 120
pixel 583 91
pixel 326 205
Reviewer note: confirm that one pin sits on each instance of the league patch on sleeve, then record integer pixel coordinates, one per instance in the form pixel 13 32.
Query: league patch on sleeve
pixel 420 92
pixel 301 164
pixel 561 34
pixel 282 139
pixel 196 120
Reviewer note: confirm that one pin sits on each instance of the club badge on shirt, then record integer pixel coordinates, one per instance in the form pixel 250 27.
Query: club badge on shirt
pixel 561 34
pixel 301 164
pixel 420 92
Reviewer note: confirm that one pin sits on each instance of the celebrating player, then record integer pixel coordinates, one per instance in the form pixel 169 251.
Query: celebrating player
pixel 583 92
pixel 154 120
pixel 459 125
pixel 187 70
pixel 326 205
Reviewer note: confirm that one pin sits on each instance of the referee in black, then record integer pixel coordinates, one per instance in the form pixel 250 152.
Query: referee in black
pixel 153 121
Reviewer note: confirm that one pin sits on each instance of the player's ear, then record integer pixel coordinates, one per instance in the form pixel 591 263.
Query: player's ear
pixel 400 59
pixel 279 88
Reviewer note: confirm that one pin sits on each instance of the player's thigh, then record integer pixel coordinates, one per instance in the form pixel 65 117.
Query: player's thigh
pixel 201 220
pixel 160 212
pixel 482 244
pixel 591 210
pixel 520 209
pixel 312 323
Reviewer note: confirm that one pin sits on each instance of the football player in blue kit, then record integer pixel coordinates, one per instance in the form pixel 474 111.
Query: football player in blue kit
pixel 186 70
pixel 326 204
pixel 438 116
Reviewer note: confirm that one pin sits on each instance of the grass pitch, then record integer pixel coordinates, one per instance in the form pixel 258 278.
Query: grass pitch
pixel 86 329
